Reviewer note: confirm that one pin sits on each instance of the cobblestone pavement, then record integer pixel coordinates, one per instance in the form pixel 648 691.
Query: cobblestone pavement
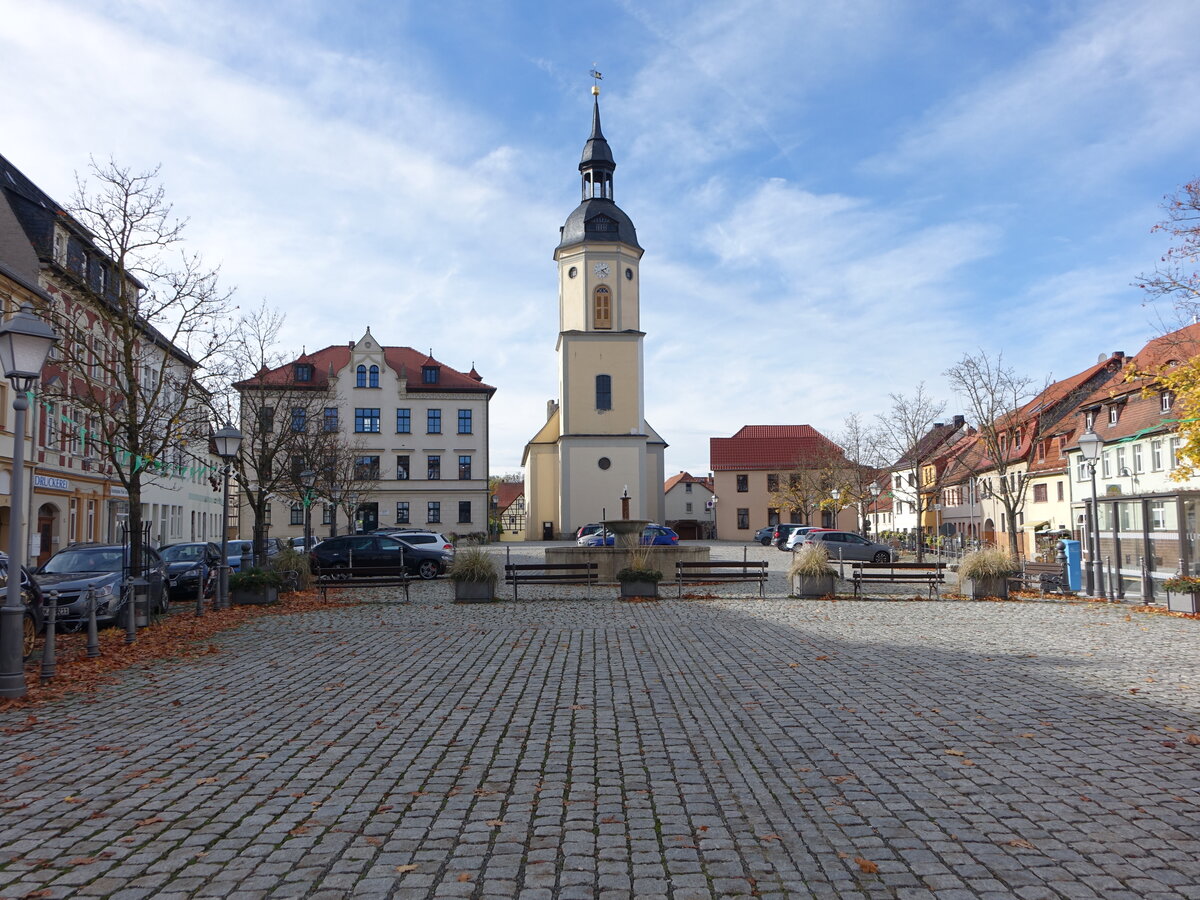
pixel 684 749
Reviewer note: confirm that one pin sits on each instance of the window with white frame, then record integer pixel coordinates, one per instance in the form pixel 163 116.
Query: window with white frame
pixel 1156 456
pixel 1173 452
pixel 1167 400
pixel 1089 419
pixel 1105 465
pixel 1122 469
pixel 1138 463
pixel 1114 414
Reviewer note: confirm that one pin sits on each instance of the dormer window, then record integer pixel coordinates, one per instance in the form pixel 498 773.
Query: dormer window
pixel 430 374
pixel 304 372
pixel 60 247
pixel 1114 414
pixel 1089 419
pixel 1167 399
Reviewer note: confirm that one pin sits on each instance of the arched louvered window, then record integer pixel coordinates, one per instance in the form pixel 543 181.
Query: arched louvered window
pixel 602 307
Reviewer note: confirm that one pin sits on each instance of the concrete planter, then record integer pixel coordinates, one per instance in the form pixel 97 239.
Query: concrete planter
pixel 265 596
pixel 1184 603
pixel 810 586
pixel 639 589
pixel 474 592
pixel 978 588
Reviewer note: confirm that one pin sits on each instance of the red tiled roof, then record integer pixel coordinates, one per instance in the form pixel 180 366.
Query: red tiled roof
pixel 683 478
pixel 402 360
pixel 779 447
pixel 507 493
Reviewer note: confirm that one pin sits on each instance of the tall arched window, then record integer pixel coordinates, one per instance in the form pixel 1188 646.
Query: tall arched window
pixel 602 308
pixel 361 379
pixel 603 392
pixel 374 379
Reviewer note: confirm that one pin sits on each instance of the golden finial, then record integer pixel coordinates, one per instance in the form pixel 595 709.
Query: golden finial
pixel 596 87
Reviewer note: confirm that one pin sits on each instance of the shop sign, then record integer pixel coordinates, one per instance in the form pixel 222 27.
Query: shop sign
pixel 56 484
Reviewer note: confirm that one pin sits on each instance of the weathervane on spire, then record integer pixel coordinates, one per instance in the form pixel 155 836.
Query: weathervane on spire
pixel 596 87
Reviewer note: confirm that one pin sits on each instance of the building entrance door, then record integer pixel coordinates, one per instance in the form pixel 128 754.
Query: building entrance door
pixel 45 531
pixel 367 519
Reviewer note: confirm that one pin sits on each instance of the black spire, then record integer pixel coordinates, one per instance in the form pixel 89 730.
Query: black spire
pixel 597 217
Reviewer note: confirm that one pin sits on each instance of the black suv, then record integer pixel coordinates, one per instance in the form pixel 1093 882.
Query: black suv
pixel 105 569
pixel 188 565
pixel 376 554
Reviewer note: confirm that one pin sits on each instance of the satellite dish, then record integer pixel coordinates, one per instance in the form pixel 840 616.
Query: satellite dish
pixel 1102 357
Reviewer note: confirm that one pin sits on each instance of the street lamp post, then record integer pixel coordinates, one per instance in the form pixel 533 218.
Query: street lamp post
pixel 25 342
pixel 227 441
pixel 875 491
pixel 836 495
pixel 335 495
pixel 308 478
pixel 1090 445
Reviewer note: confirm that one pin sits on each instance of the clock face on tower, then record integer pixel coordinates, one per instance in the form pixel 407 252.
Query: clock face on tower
pixel 600 270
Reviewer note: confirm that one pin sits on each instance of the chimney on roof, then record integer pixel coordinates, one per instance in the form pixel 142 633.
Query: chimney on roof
pixel 352 345
pixel 938 424
pixel 1118 354
pixel 959 421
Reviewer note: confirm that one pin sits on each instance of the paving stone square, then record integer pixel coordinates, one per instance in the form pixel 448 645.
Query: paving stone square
pixel 591 748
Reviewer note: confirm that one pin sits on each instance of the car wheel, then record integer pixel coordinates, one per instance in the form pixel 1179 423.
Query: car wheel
pixel 28 635
pixel 882 557
pixel 766 542
pixel 428 569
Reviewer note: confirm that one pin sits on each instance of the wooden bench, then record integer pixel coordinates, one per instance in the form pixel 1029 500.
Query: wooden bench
pixel 364 580
pixel 550 573
pixel 709 572
pixel 929 574
pixel 1044 577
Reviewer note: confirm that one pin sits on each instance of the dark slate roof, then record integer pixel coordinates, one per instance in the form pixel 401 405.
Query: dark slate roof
pixel 598 219
pixel 596 151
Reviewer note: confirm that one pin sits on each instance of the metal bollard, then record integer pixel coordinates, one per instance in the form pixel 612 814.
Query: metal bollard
pixel 93 638
pixel 130 621
pixel 200 579
pixel 48 658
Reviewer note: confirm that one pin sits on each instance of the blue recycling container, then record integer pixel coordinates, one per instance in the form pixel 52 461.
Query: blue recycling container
pixel 1074 563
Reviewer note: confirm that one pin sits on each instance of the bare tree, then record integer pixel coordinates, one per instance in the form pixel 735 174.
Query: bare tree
pixel 906 436
pixel 861 446
pixel 995 396
pixel 1176 277
pixel 138 353
pixel 344 478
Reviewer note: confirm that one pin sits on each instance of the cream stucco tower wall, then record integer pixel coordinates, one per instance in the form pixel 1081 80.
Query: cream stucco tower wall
pixel 596 443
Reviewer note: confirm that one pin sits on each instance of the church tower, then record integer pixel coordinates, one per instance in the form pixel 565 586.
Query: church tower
pixel 596 443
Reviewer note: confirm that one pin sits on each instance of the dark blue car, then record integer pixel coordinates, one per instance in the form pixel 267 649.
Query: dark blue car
pixel 651 534
pixel 189 565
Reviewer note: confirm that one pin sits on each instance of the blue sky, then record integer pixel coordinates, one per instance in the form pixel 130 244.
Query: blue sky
pixel 837 200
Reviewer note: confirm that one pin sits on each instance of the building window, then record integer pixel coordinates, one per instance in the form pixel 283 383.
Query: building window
pixel 90 534
pixel 433 468
pixel 1081 469
pixel 366 420
pixel 401 512
pixel 326 513
pixel 1138 464
pixel 433 421
pixel 299 419
pixel 297 516
pixel 1114 413
pixel 1121 467
pixel 464 468
pixel 1105 465
pixel 60 247
pixel 743 484
pixel 1168 400
pixel 1059 485
pixel 373 377
pixel 1089 419
pixel 687 487
pixel 430 374
pixel 464 511
pixel 602 308
pixel 603 392
pixel 366 468
pixel 433 512
pixel 331 418
pixel 267 513
pixel 266 419
pixel 402 468
pixel 360 377
pixel 1156 459
pixel 403 421
pixel 304 372
pixel 464 421
pixel 687 507
pixel 772 516
pixel 1040 494
pixel 772 486
pixel 743 519
pixel 1173 452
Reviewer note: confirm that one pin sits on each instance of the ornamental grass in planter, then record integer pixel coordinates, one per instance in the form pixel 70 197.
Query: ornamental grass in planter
pixel 1183 594
pixel 255 587
pixel 811 573
pixel 474 574
pixel 985 573
pixel 639 578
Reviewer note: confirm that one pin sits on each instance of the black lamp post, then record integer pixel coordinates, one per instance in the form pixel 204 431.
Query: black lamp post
pixel 875 492
pixel 308 478
pixel 835 495
pixel 25 342
pixel 335 495
pixel 227 441
pixel 1090 445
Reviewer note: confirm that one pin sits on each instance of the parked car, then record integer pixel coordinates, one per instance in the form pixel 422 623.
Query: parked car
pixel 104 568
pixel 426 540
pixel 376 554
pixel 586 530
pixel 651 534
pixel 234 551
pixel 848 545
pixel 297 543
pixel 188 566
pixel 33 621
pixel 797 536
pixel 782 531
pixel 763 535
